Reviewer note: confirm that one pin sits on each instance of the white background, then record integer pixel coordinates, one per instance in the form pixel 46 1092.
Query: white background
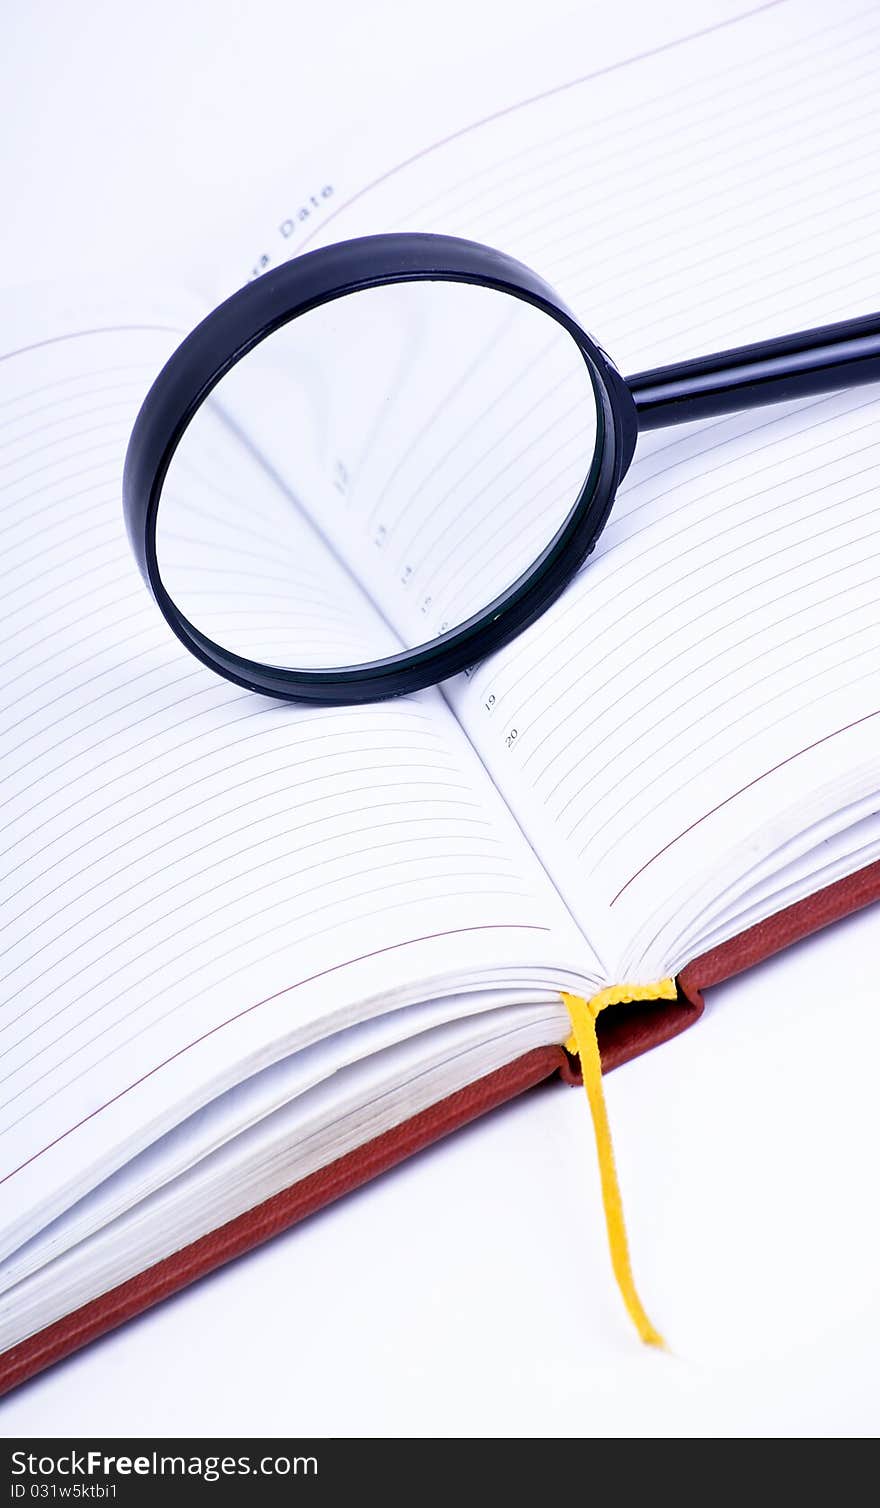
pixel 468 1293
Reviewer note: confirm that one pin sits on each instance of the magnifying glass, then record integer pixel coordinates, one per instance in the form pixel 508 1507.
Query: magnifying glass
pixel 383 460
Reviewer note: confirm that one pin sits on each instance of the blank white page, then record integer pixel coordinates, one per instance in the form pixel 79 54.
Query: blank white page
pixel 707 688
pixel 195 879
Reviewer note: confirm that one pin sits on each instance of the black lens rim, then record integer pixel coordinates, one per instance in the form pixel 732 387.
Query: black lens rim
pixel 262 307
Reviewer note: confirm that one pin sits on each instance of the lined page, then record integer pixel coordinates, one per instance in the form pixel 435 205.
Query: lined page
pixel 336 1115
pixel 706 690
pixel 233 1114
pixel 400 445
pixel 727 700
pixel 195 879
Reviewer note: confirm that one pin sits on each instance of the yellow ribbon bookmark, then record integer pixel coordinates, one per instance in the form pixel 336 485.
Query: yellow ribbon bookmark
pixel 584 1042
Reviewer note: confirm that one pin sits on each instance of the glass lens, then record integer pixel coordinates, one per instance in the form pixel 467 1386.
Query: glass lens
pixel 376 473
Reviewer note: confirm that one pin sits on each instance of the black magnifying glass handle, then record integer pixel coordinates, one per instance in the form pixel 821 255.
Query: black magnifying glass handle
pixel 807 363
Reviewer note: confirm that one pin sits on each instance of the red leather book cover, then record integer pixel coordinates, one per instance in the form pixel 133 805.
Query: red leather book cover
pixel 624 1033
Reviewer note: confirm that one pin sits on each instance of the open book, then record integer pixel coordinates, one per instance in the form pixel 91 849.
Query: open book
pixel 253 953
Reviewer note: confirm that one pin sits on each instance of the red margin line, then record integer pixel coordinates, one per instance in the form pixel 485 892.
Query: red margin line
pixel 534 99
pixel 322 973
pixel 781 765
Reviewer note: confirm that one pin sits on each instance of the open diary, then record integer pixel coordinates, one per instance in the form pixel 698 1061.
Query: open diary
pixel 252 953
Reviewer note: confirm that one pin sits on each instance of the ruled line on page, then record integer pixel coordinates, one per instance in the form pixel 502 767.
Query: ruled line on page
pixel 835 616
pixel 748 209
pixel 685 95
pixel 438 563
pixel 131 388
pixel 376 847
pixel 372 910
pixel 678 186
pixel 569 612
pixel 181 768
pixel 248 1010
pixel 617 67
pixel 838 52
pixel 840 558
pixel 44 510
pixel 741 572
pixel 376 874
pixel 620 532
pixel 732 797
pixel 607 287
pixel 54 340
pixel 630 710
pixel 71 380
pixel 863 679
pixel 692 447
pixel 781 165
pixel 320 821
pixel 625 125
pixel 121 737
pixel 78 415
pixel 173 845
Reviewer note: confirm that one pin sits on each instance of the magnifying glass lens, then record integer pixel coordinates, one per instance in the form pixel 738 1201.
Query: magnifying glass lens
pixel 375 474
